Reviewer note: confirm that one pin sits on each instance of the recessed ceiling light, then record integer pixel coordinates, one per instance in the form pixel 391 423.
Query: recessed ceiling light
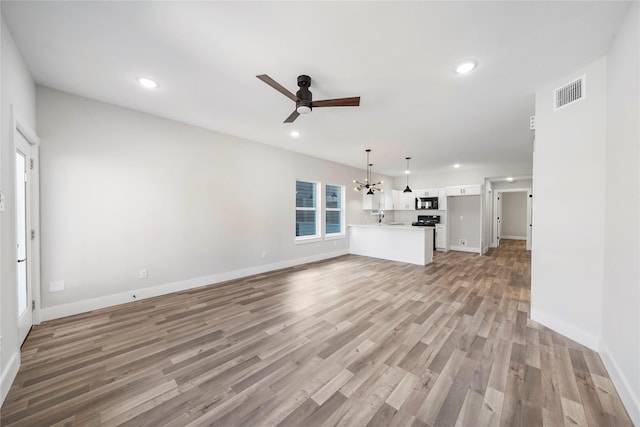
pixel 465 67
pixel 147 83
pixel 294 133
pixel 457 165
pixel 510 179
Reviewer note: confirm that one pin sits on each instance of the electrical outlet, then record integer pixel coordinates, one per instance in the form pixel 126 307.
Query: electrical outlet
pixel 463 242
pixel 144 273
pixel 56 286
pixel 264 254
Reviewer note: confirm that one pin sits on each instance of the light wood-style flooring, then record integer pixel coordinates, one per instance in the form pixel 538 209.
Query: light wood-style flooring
pixel 351 341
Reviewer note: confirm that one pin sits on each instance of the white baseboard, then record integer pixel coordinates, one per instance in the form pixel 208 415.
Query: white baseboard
pixel 9 375
pixel 567 329
pixel 58 311
pixel 630 399
pixel 513 237
pixel 465 249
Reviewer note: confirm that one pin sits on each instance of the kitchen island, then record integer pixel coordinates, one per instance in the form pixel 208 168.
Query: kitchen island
pixel 402 243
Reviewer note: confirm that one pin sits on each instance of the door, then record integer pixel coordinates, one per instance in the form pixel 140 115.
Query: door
pixel 498 218
pixel 23 221
pixel 529 218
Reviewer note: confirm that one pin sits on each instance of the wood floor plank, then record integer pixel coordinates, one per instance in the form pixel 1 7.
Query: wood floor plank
pixel 349 341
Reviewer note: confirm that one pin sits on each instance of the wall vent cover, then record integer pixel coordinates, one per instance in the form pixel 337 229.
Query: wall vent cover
pixel 569 93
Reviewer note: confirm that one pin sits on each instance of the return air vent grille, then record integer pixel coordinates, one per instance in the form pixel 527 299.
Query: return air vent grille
pixel 570 93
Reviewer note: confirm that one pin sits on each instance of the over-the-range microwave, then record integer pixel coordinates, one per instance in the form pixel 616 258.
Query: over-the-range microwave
pixel 426 203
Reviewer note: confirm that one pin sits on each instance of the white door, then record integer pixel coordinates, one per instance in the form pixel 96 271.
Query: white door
pixel 529 218
pixel 499 218
pixel 23 220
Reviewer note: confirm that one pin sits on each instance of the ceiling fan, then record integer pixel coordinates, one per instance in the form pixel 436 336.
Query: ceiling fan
pixel 303 97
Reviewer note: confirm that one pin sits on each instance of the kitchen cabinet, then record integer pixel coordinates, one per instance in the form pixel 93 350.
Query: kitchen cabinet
pixel 442 199
pixel 464 190
pixel 429 192
pixel 407 201
pixel 441 237
pixel 371 201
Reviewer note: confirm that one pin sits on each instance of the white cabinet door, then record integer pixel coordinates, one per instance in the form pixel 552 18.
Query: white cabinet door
pixel 429 192
pixel 395 199
pixel 442 199
pixel 464 190
pixel 370 201
pixel 408 201
pixel 441 237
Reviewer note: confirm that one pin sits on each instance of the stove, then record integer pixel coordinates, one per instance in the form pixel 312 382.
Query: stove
pixel 427 221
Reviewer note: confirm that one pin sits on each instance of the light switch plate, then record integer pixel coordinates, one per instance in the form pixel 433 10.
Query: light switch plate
pixel 1 202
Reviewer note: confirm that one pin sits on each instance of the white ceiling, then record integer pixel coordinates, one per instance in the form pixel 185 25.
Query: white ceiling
pixel 398 56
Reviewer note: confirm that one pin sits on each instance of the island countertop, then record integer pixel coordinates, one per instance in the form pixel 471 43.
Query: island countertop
pixel 404 243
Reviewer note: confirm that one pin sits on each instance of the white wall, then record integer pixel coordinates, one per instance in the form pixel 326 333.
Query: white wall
pixel 462 176
pixel 514 215
pixel 464 222
pixel 123 191
pixel 18 90
pixel 568 231
pixel 621 297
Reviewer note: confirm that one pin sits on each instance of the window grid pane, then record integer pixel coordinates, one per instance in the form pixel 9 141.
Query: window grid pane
pixel 333 197
pixel 334 222
pixel 305 194
pixel 305 223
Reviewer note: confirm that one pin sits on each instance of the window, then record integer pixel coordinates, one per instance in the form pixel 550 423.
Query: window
pixel 307 212
pixel 334 214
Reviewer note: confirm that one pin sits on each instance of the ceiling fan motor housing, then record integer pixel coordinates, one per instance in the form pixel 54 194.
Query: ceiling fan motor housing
pixel 304 94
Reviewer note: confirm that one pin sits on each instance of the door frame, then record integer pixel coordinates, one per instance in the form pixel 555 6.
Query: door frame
pixel 497 193
pixel 20 126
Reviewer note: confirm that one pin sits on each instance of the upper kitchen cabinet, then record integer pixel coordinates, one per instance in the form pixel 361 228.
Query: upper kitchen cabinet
pixel 407 201
pixel 464 190
pixel 429 192
pixel 378 200
pixel 442 199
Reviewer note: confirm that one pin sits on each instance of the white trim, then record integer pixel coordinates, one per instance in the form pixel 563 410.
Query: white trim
pixel 464 249
pixel 55 312
pixel 513 237
pixel 630 400
pixel 9 375
pixel 18 125
pixel 565 328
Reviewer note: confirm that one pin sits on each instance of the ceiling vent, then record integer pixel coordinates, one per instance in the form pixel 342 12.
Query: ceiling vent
pixel 569 93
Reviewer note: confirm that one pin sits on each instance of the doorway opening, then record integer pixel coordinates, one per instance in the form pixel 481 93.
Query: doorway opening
pixel 512 214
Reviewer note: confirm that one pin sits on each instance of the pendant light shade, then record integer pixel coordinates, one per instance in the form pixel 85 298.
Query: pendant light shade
pixel 407 190
pixel 367 185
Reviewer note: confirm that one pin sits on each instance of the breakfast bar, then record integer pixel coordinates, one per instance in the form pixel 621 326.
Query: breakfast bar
pixel 402 243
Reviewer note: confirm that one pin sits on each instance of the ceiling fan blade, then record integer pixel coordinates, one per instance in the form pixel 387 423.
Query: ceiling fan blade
pixel 277 86
pixel 338 102
pixel 292 117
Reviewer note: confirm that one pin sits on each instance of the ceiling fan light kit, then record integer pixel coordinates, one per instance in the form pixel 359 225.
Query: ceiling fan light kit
pixel 304 98
pixel 372 188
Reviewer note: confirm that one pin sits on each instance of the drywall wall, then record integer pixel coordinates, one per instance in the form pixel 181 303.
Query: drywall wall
pixel 621 294
pixel 569 171
pixel 464 175
pixel 123 191
pixel 463 222
pixel 18 90
pixel 514 215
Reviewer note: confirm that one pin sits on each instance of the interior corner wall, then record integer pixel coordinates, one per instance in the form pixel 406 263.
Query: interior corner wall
pixel 18 90
pixel 621 299
pixel 568 175
pixel 123 191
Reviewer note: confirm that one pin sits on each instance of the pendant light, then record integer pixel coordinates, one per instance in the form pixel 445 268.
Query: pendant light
pixel 407 190
pixel 367 181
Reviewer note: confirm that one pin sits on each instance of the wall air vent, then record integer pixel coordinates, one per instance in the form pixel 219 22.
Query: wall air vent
pixel 569 93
